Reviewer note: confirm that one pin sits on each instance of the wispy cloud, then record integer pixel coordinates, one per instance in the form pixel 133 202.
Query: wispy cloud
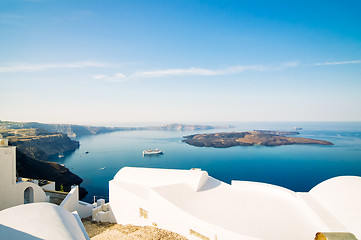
pixel 336 63
pixel 175 72
pixel 29 67
pixel 172 72
pixel 117 77
pixel 193 71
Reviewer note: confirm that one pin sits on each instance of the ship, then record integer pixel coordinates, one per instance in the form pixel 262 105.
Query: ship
pixel 152 152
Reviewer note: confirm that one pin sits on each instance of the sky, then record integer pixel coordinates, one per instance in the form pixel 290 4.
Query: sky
pixel 99 62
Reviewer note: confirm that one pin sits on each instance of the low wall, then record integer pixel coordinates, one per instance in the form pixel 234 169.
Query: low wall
pixel 72 203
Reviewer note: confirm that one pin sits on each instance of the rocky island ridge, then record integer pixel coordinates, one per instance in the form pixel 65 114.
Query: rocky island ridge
pixel 257 137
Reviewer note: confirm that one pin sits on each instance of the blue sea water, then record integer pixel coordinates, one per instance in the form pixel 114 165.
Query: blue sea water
pixel 297 167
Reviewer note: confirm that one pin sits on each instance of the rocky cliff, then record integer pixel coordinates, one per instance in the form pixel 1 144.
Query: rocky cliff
pixel 36 169
pixel 81 130
pixel 69 129
pixel 39 144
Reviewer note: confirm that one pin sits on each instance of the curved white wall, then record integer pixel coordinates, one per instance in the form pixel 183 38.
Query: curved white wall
pixel 341 197
pixel 39 221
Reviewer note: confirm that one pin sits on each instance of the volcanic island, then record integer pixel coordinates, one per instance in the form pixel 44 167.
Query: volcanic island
pixel 252 138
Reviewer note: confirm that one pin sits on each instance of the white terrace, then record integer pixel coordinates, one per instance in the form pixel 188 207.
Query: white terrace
pixel 191 203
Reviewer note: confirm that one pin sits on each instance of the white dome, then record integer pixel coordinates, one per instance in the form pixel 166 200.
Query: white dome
pixel 39 221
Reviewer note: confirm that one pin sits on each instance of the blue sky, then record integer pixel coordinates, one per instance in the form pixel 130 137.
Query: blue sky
pixel 179 61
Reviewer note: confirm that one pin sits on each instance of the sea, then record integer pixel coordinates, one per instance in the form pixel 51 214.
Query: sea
pixel 296 167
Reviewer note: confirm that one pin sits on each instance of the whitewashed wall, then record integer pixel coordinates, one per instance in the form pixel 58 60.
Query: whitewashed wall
pixel 12 192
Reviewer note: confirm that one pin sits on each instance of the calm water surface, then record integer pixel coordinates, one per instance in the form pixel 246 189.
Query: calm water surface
pixel 297 167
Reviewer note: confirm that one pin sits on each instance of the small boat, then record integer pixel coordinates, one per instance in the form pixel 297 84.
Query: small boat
pixel 152 152
pixel 297 128
pixel 86 152
pixel 103 168
pixel 61 155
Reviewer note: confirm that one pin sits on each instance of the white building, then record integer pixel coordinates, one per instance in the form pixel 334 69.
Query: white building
pixel 197 206
pixel 40 221
pixel 14 193
pixel 24 209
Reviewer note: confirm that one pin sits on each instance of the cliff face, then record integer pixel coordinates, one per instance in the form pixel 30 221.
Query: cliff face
pixel 68 129
pixel 43 148
pixel 81 130
pixel 39 144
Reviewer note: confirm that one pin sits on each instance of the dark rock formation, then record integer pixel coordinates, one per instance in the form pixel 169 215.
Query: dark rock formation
pixel 224 140
pixel 32 168
pixel 39 144
pixel 44 147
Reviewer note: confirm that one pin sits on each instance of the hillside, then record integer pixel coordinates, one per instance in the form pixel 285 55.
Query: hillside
pixel 74 131
pixel 69 129
pixel 39 144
